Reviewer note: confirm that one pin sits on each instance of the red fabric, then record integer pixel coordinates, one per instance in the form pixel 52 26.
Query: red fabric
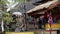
pixel 57 16
pixel 45 15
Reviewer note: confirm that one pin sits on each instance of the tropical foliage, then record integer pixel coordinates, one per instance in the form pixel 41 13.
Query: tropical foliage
pixel 11 2
pixel 7 17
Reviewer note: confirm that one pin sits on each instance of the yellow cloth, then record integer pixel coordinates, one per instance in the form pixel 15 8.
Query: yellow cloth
pixel 19 33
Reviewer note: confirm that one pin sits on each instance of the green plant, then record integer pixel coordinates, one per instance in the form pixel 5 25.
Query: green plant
pixel 7 17
pixel 5 2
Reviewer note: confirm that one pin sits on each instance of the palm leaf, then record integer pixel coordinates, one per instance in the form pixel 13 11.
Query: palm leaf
pixel 3 2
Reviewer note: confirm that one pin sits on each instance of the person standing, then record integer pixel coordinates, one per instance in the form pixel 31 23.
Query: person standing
pixel 20 25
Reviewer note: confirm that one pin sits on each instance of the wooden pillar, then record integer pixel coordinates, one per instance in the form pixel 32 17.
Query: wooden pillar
pixel 35 20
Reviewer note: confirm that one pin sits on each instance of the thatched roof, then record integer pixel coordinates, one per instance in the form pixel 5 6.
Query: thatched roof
pixel 42 6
